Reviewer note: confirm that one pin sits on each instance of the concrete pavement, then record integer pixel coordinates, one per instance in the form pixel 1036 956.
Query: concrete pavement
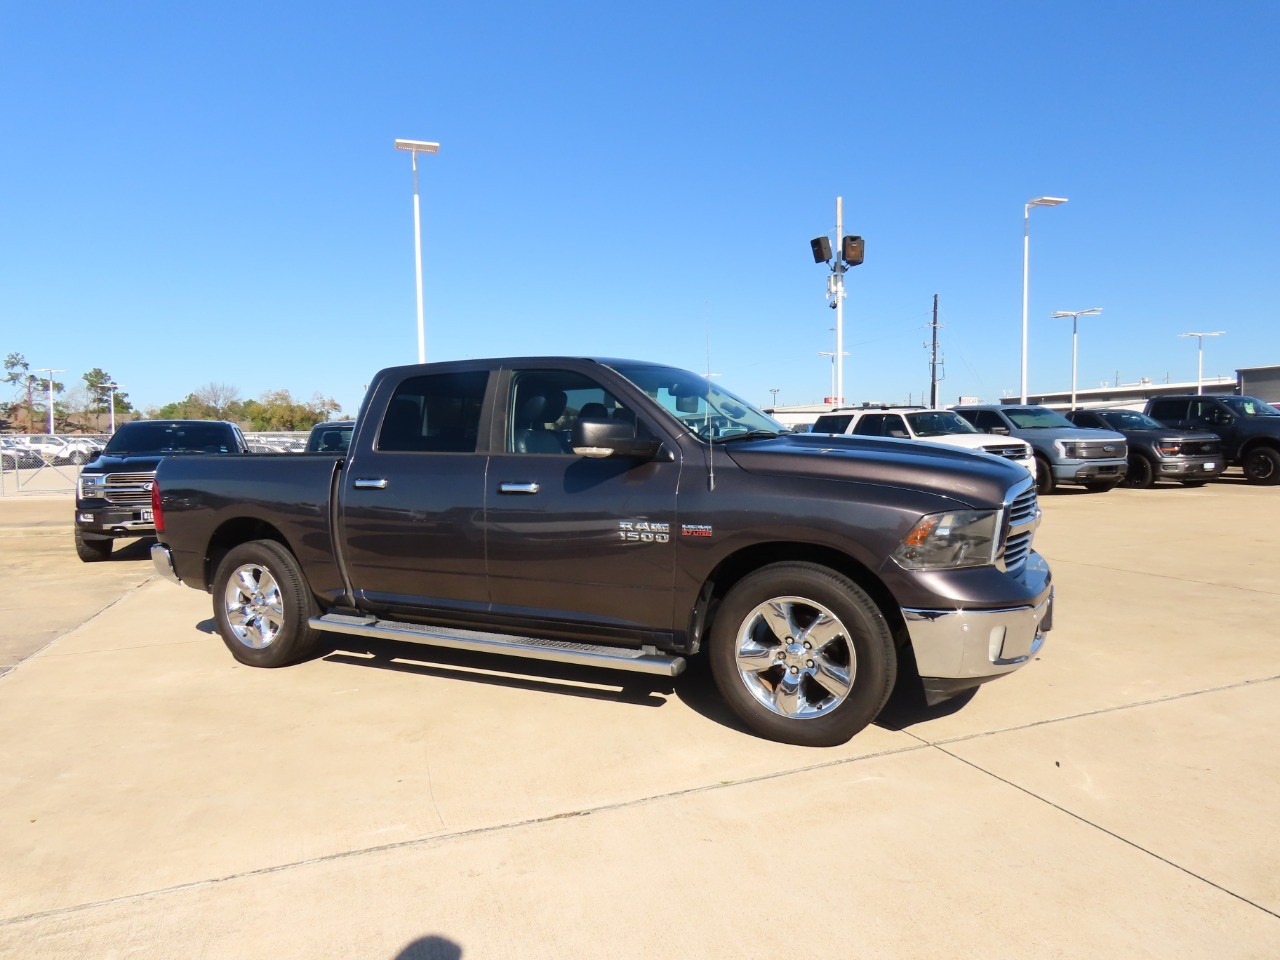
pixel 1116 798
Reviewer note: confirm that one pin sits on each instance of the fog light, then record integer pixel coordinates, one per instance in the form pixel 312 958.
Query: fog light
pixel 86 518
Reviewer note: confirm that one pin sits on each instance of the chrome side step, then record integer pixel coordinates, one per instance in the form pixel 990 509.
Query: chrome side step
pixel 559 651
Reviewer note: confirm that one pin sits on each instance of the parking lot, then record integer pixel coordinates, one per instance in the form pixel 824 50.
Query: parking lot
pixel 1116 798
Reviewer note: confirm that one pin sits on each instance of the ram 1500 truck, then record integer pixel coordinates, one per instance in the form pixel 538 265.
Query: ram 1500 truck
pixel 629 515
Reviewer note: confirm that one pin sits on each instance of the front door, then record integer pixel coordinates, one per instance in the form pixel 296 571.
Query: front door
pixel 582 547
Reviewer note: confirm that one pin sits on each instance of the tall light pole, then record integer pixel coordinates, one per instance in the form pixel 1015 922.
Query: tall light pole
pixel 111 403
pixel 1026 269
pixel 50 371
pixel 1200 356
pixel 835 397
pixel 1075 316
pixel 416 147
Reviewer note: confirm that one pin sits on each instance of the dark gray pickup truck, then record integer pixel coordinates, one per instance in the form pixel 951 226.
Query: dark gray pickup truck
pixel 626 515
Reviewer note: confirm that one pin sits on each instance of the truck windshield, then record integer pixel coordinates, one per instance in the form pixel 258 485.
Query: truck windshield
pixel 1250 407
pixel 1036 418
pixel 1129 420
pixel 157 437
pixel 938 423
pixel 710 413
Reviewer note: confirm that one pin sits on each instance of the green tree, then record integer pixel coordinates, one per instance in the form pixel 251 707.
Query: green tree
pixel 95 383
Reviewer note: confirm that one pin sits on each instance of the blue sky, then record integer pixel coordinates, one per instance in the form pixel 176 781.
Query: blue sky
pixel 194 194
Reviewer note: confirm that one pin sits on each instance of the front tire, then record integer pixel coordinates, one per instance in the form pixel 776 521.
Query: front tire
pixel 91 551
pixel 262 605
pixel 802 654
pixel 1045 482
pixel 1142 473
pixel 1262 466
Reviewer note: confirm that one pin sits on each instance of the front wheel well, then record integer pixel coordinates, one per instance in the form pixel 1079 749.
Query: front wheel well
pixel 233 533
pixel 746 561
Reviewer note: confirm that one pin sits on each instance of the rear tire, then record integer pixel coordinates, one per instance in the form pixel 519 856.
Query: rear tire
pixel 262 605
pixel 1262 466
pixel 91 551
pixel 801 654
pixel 1045 482
pixel 1142 473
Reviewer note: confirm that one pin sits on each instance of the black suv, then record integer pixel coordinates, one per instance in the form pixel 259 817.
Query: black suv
pixel 1157 452
pixel 1249 428
pixel 113 493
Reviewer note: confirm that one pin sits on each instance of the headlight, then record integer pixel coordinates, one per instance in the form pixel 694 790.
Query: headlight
pixel 91 487
pixel 1168 448
pixel 947 541
pixel 1072 451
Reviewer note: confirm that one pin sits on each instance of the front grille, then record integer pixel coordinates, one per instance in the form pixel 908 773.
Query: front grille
pixel 1202 448
pixel 1024 515
pixel 1009 450
pixel 129 488
pixel 1097 449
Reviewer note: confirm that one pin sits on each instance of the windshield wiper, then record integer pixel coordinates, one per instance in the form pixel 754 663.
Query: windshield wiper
pixel 749 435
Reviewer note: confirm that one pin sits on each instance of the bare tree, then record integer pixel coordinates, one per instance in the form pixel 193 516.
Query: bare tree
pixel 218 397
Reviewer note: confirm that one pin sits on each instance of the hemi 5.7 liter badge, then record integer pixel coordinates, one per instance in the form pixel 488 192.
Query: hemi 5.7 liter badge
pixel 695 529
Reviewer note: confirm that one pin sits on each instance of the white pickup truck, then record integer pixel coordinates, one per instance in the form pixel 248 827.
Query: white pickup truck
pixel 931 426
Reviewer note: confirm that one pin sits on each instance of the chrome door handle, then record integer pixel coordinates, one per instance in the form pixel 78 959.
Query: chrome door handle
pixel 366 483
pixel 518 488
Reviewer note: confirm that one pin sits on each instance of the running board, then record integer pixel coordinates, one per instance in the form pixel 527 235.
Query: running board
pixel 646 660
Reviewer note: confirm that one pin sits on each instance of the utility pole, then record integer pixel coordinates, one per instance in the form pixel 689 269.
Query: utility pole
pixel 933 358
pixel 775 391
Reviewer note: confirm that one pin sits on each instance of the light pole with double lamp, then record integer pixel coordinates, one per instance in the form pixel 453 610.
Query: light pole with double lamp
pixel 1200 356
pixel 1075 316
pixel 416 147
pixel 1026 264
pixel 111 389
pixel 50 371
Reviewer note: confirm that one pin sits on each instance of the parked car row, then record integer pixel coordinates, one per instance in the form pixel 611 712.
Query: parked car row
pixel 1185 439
pixel 22 451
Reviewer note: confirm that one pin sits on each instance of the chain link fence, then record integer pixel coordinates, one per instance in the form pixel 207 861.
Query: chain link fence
pixel 44 463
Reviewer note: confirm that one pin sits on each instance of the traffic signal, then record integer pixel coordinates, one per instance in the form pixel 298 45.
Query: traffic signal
pixel 851 250
pixel 821 249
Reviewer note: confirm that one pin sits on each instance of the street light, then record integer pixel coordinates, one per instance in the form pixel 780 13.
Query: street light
pixel 50 371
pixel 835 397
pixel 1075 316
pixel 1200 356
pixel 1026 261
pixel 416 147
pixel 111 403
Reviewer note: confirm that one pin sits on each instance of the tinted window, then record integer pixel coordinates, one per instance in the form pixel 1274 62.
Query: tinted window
pixel 1086 420
pixel 160 437
pixel 986 421
pixel 435 414
pixel 1250 407
pixel 938 423
pixel 832 423
pixel 1169 409
pixel 869 425
pixel 1128 420
pixel 547 404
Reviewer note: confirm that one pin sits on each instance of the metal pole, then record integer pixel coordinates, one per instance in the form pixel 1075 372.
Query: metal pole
pixel 1026 267
pixel 838 359
pixel 1200 366
pixel 933 361
pixel 417 252
pixel 112 407
pixel 1074 320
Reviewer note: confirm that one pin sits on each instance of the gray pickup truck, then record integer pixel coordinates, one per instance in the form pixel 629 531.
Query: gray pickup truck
pixel 625 515
pixel 1094 459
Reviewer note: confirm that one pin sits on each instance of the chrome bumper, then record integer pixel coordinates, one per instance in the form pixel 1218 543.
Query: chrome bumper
pixel 979 644
pixel 162 560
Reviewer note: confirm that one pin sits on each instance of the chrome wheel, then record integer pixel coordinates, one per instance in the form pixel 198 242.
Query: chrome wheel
pixel 795 658
pixel 254 608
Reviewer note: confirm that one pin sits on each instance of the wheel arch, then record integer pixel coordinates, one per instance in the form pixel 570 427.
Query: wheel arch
pixel 733 568
pixel 231 534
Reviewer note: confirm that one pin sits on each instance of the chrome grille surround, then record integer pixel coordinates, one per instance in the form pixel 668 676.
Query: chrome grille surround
pixel 1096 449
pixel 129 488
pixel 1012 451
pixel 1022 516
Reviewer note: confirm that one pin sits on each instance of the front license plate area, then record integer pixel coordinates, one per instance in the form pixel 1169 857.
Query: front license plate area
pixel 146 517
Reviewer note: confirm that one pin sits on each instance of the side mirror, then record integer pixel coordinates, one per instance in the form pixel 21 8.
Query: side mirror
pixel 1002 431
pixel 598 439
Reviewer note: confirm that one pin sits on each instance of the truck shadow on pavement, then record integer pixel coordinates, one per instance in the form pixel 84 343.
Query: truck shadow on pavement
pixel 431 948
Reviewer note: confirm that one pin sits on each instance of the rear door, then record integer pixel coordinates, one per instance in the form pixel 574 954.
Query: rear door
pixel 576 545
pixel 413 499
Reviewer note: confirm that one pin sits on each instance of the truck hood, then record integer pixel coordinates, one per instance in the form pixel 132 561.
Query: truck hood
pixel 952 473
pixel 1172 433
pixel 1049 434
pixel 106 464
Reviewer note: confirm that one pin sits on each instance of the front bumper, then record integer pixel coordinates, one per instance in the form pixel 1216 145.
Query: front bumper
pixel 104 519
pixel 1191 468
pixel 1086 471
pixel 959 649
